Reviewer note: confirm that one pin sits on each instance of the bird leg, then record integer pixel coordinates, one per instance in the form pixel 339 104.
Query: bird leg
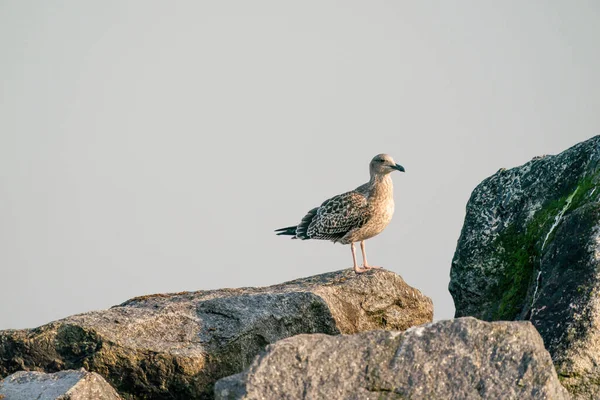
pixel 357 269
pixel 364 255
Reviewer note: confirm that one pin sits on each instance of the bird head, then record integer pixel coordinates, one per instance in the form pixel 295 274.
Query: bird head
pixel 383 164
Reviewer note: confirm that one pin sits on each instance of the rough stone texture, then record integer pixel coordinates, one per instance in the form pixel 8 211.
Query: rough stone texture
pixel 63 385
pixel 176 346
pixel 530 249
pixel 456 359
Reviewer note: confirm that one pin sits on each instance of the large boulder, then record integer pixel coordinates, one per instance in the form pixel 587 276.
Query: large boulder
pixel 530 250
pixel 463 358
pixel 63 385
pixel 176 346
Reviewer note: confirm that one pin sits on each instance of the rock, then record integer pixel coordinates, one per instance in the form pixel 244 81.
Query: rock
pixel 176 346
pixel 463 358
pixel 63 385
pixel 530 250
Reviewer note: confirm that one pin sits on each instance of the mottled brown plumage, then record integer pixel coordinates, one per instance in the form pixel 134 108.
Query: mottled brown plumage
pixel 353 216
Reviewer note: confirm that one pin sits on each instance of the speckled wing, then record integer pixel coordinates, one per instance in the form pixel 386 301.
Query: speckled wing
pixel 335 217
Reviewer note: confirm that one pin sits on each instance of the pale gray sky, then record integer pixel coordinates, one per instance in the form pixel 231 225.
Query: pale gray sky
pixel 151 146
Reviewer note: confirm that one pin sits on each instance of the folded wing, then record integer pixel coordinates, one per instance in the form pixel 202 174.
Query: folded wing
pixel 335 217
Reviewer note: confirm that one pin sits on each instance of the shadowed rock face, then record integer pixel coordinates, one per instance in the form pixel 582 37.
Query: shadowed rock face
pixel 530 249
pixel 457 359
pixel 64 385
pixel 176 346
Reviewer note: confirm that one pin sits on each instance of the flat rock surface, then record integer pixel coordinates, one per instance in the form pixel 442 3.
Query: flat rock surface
pixel 176 346
pixel 63 385
pixel 530 250
pixel 462 358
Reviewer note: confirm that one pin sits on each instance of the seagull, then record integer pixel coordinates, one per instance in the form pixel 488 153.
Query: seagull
pixel 354 216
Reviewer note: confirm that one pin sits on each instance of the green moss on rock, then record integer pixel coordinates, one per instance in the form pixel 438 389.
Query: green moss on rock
pixel 518 258
pixel 523 246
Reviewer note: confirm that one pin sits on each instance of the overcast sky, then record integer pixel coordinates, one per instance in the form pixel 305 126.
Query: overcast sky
pixel 151 146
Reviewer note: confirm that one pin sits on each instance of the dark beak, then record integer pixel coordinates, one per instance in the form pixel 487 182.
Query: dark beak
pixel 399 167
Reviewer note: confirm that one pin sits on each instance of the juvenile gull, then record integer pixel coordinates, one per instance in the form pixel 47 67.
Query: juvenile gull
pixel 353 216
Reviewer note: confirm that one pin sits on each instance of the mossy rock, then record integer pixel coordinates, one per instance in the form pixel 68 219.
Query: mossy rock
pixel 529 250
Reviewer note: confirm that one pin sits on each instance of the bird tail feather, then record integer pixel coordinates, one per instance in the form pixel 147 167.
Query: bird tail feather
pixel 289 231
